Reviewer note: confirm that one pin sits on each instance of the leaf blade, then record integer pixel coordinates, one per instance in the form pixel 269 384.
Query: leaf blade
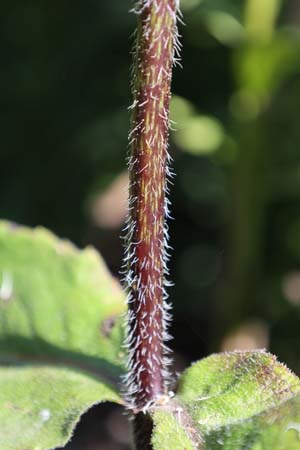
pixel 234 401
pixel 33 417
pixel 60 320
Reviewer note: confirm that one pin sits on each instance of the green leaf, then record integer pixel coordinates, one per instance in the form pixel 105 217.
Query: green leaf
pixel 275 429
pixel 60 337
pixel 170 432
pixel 232 401
pixel 40 405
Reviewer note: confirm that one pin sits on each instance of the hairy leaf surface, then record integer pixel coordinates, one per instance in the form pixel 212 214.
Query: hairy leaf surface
pixel 233 401
pixel 60 337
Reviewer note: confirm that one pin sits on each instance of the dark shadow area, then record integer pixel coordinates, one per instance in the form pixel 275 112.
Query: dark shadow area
pixel 21 351
pixel 103 427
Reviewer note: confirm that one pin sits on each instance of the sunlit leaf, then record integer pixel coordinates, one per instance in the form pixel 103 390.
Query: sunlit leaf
pixel 232 401
pixel 60 337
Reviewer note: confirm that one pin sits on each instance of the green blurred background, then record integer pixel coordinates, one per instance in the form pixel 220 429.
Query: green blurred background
pixel 64 89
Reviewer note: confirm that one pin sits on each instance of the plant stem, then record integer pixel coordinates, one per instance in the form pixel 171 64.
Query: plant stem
pixel 146 254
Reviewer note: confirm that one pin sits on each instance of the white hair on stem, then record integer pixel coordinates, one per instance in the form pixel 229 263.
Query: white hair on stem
pixel 145 277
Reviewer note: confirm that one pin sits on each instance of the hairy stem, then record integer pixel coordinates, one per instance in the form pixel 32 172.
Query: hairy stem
pixel 146 254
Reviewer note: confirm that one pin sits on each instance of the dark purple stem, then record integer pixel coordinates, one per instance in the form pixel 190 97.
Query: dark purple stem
pixel 146 255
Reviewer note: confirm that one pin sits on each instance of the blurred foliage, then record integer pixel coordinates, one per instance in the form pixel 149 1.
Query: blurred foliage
pixel 64 89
